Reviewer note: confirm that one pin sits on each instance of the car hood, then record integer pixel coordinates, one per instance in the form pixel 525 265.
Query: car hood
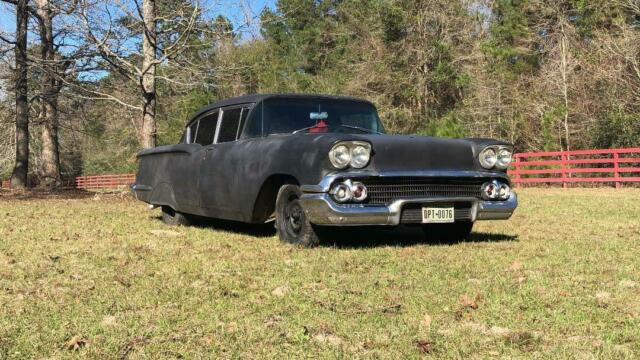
pixel 412 152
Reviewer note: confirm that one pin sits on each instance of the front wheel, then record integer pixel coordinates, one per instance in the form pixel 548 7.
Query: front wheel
pixel 291 222
pixel 457 231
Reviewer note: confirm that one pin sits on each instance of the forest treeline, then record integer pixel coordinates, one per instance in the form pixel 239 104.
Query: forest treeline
pixel 105 79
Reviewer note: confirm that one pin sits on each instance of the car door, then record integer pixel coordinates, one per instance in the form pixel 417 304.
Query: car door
pixel 199 136
pixel 218 172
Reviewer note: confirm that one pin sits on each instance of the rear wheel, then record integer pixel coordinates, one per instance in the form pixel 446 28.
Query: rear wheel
pixel 173 218
pixel 291 222
pixel 457 231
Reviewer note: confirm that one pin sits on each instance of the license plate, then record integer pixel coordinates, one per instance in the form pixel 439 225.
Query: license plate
pixel 437 215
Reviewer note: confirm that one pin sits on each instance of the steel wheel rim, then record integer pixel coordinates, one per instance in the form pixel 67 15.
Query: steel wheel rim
pixel 293 218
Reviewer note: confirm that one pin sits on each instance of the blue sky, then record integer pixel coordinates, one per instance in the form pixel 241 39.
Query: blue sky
pixel 228 8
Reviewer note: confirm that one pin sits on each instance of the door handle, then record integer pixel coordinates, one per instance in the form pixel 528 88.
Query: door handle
pixel 207 151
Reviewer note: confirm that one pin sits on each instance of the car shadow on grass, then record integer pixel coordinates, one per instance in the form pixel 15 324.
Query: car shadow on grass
pixel 351 237
pixel 56 194
pixel 255 230
pixel 402 236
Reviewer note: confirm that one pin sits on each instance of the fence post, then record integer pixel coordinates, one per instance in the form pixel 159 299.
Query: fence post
pixel 516 180
pixel 616 167
pixel 563 165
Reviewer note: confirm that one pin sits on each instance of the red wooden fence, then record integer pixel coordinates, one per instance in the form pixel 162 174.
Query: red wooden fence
pixel 614 166
pixel 104 181
pixel 94 182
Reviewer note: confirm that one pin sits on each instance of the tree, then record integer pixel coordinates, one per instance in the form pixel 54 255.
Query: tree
pixel 112 39
pixel 21 167
pixel 149 51
pixel 50 87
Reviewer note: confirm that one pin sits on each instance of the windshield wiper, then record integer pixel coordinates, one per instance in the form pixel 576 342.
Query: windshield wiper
pixel 303 129
pixel 370 131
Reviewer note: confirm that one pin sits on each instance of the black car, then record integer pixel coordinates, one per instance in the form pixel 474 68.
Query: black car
pixel 314 162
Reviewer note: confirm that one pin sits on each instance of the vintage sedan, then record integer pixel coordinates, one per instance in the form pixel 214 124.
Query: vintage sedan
pixel 314 163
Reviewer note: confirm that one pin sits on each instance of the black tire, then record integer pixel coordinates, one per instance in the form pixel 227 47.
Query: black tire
pixel 174 218
pixel 458 231
pixel 291 222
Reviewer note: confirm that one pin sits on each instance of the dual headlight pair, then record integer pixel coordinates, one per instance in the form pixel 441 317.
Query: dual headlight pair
pixel 496 156
pixel 357 154
pixel 349 190
pixel 495 190
pixel 350 153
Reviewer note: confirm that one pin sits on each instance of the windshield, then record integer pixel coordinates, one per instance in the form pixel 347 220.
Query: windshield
pixel 283 115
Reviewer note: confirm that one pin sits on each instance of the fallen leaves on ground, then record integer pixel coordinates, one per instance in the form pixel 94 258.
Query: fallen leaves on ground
pixel 628 284
pixel 272 321
pixel 165 233
pixel 327 338
pixel 426 321
pixel 129 346
pixel 468 302
pixel 424 346
pixel 281 291
pixel 515 266
pixel 76 342
pixel 108 320
pixel 603 298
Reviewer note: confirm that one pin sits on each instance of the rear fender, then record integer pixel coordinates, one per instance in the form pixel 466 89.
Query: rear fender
pixel 163 195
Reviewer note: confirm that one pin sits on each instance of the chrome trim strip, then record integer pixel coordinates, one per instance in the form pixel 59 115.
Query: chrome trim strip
pixel 218 124
pixel 497 210
pixel 135 188
pixel 138 187
pixel 321 210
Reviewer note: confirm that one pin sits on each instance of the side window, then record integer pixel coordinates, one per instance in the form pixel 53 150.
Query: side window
pixel 253 129
pixel 230 124
pixel 207 129
pixel 190 133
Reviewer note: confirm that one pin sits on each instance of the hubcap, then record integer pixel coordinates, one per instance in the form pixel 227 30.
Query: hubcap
pixel 294 217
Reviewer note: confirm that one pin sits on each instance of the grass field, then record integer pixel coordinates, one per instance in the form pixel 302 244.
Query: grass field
pixel 100 276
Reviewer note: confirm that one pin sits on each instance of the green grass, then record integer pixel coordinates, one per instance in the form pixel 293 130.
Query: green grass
pixel 561 279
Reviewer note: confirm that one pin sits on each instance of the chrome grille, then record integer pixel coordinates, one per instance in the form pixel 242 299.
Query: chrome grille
pixel 384 190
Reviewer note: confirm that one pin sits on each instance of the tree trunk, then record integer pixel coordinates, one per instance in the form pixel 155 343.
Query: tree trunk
pixel 565 91
pixel 21 168
pixel 50 157
pixel 147 129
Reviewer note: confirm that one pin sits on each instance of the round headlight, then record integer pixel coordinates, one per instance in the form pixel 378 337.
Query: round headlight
pixel 342 192
pixel 504 192
pixel 504 158
pixel 340 156
pixel 490 190
pixel 359 191
pixel 360 156
pixel 488 158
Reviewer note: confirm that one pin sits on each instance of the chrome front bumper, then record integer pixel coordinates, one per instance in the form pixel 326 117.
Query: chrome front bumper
pixel 322 210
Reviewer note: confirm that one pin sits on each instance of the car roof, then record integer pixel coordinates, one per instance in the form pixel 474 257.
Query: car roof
pixel 256 98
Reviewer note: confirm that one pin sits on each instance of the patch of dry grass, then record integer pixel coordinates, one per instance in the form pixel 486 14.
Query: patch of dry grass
pixel 100 276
